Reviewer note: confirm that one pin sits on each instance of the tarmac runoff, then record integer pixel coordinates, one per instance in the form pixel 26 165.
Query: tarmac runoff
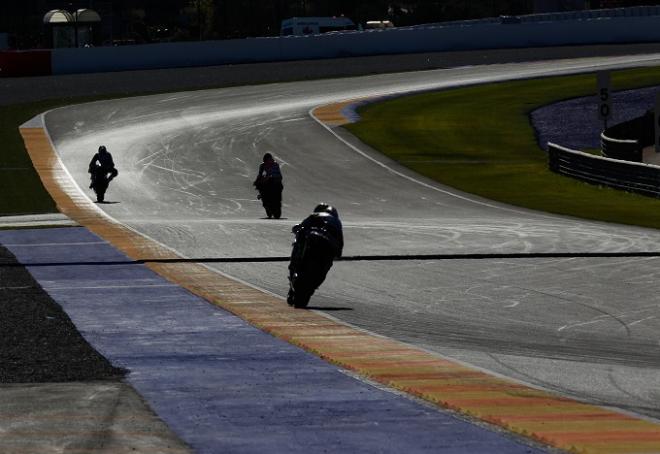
pixel 57 394
pixel 539 415
pixel 36 220
pixel 101 417
pixel 220 384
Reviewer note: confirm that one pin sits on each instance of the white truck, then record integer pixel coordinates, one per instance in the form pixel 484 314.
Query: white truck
pixel 315 25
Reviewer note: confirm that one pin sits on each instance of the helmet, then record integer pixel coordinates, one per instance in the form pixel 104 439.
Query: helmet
pixel 326 208
pixel 102 149
pixel 268 157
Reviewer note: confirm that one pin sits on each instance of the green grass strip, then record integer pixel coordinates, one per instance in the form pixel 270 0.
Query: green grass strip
pixel 20 186
pixel 479 139
pixel 21 189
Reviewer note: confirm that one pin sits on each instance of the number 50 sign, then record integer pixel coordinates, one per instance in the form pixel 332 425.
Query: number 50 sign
pixel 604 96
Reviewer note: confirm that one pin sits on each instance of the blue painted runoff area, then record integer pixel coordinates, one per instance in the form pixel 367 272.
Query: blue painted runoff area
pixel 220 384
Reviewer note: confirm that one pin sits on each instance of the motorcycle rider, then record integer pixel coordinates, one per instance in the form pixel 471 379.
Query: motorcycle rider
pixel 319 240
pixel 269 185
pixel 100 166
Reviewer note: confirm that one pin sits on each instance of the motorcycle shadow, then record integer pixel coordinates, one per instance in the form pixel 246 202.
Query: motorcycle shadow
pixel 330 308
pixel 105 202
pixel 274 219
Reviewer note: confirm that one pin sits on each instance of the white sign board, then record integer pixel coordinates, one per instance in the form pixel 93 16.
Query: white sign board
pixel 604 96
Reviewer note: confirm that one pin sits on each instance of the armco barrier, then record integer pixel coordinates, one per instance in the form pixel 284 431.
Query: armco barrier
pixel 626 149
pixel 627 140
pixel 624 175
pixel 14 63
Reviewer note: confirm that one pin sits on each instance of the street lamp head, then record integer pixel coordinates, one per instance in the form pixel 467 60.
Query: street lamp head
pixel 57 16
pixel 87 15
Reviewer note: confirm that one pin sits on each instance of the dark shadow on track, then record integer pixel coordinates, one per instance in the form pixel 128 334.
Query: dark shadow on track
pixel 358 258
pixel 329 308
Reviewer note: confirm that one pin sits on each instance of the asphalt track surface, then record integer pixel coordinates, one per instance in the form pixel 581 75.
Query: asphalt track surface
pixel 586 327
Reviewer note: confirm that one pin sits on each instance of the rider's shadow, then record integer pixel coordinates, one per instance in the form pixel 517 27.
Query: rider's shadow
pixel 330 309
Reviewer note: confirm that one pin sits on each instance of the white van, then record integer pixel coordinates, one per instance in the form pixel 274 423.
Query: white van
pixel 315 25
pixel 375 24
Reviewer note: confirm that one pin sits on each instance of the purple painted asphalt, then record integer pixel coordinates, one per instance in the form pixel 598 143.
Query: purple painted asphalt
pixel 219 383
pixel 574 123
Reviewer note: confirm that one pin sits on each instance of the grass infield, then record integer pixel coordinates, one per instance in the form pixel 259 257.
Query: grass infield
pixel 21 188
pixel 479 139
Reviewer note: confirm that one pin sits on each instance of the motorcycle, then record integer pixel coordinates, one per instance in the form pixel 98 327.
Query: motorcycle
pixel 270 194
pixel 311 259
pixel 101 179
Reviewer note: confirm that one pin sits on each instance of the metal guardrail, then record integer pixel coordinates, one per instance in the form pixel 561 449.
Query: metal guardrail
pixel 625 149
pixel 627 140
pixel 624 175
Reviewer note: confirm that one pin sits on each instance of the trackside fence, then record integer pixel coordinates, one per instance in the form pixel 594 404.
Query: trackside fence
pixel 624 175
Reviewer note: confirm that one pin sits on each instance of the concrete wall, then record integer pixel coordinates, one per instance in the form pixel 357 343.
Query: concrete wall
pixel 542 31
pixel 374 42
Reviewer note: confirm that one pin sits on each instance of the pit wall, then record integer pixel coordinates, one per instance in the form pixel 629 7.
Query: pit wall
pixel 435 38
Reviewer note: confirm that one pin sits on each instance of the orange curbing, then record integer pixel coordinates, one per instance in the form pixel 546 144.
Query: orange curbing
pixel 557 421
pixel 332 113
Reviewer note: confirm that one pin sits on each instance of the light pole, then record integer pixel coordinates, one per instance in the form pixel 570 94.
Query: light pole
pixel 75 25
pixel 75 28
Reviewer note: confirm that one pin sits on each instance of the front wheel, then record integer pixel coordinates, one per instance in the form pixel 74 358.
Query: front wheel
pixel 301 299
pixel 298 296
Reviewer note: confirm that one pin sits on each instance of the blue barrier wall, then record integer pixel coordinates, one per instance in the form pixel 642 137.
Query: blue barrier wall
pixel 461 36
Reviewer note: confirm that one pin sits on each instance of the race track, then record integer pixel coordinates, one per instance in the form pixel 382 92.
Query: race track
pixel 585 327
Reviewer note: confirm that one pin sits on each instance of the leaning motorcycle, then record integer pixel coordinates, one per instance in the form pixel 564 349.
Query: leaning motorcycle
pixel 311 260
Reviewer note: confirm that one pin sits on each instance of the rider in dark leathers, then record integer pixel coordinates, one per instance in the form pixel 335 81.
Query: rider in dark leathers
pixel 269 185
pixel 319 239
pixel 102 171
